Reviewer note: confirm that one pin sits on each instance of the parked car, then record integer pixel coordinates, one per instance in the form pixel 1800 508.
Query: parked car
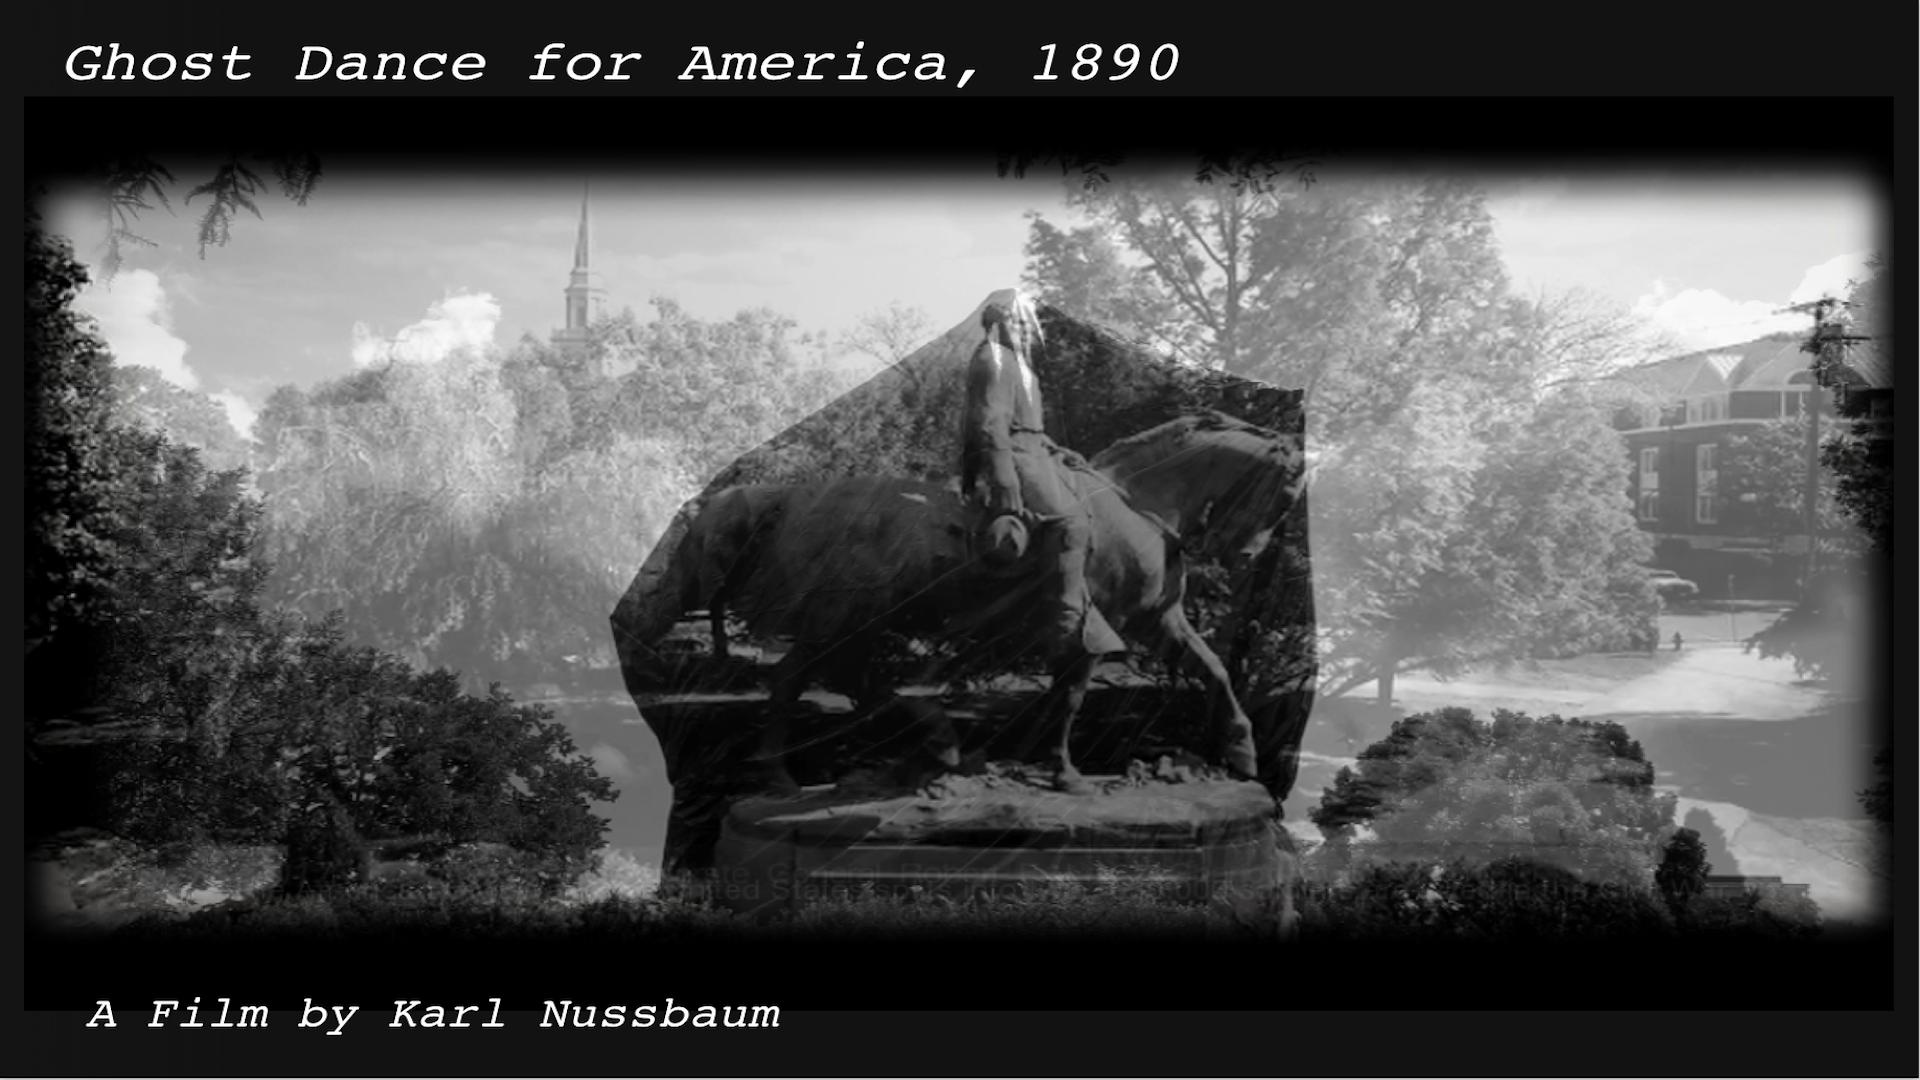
pixel 1672 587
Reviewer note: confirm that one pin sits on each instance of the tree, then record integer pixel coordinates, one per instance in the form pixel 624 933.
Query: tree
pixel 1084 270
pixel 472 512
pixel 72 485
pixel 1582 339
pixel 1821 635
pixel 1860 454
pixel 129 186
pixel 714 388
pixel 139 557
pixel 1465 507
pixel 70 378
pixel 1713 838
pixel 1762 481
pixel 382 489
pixel 186 587
pixel 1877 798
pixel 1454 539
pixel 1259 171
pixel 1445 785
pixel 225 720
pixel 1825 635
pixel 143 398
pixel 1348 289
pixel 1683 870
pixel 890 334
pixel 322 727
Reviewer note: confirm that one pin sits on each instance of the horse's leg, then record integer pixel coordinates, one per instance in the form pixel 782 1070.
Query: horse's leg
pixel 788 681
pixel 1064 698
pixel 1233 730
pixel 870 691
pixel 717 614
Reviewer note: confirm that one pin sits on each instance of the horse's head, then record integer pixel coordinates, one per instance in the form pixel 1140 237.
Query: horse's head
pixel 1242 520
pixel 1228 483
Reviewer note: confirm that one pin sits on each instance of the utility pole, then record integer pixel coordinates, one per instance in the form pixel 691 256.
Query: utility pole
pixel 1828 334
pixel 1815 345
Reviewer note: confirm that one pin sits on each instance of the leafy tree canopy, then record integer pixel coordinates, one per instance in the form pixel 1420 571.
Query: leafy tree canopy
pixel 1444 785
pixel 1470 504
pixel 143 398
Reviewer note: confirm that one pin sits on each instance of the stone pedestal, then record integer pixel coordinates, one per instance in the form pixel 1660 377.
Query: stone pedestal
pixel 975 833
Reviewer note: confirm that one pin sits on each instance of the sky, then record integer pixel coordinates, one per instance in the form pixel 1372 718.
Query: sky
pixel 423 264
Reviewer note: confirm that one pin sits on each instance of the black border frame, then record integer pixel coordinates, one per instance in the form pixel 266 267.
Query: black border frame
pixel 1733 84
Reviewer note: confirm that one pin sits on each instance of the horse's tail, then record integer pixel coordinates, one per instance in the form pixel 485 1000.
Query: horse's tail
pixel 657 598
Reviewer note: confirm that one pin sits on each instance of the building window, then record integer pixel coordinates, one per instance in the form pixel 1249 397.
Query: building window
pixel 1707 410
pixel 1706 471
pixel 1650 469
pixel 1649 506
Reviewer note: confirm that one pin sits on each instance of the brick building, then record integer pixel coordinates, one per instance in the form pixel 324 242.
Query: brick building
pixel 1677 436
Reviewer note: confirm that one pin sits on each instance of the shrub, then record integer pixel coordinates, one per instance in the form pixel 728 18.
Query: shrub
pixel 1510 898
pixel 402 753
pixel 1445 785
pixel 1683 870
pixel 324 852
pixel 615 874
pixel 1755 914
pixel 496 872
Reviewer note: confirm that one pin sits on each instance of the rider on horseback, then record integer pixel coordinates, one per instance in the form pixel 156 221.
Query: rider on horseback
pixel 1005 450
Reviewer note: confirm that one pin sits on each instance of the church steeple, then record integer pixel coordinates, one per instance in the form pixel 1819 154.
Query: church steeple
pixel 580 243
pixel 584 297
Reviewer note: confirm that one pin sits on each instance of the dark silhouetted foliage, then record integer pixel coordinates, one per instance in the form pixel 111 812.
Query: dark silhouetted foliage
pixel 324 852
pixel 1683 870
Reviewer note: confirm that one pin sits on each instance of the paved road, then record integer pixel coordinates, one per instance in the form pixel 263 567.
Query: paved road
pixel 1716 680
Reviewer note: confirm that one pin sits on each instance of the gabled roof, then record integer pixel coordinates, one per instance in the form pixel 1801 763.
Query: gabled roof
pixel 1762 364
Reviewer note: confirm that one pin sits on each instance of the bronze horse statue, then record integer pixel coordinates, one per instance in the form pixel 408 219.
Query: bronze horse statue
pixel 834 565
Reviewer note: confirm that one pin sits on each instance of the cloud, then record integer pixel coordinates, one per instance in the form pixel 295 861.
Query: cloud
pixel 1835 277
pixel 135 313
pixel 611 762
pixel 1705 318
pixel 240 413
pixel 137 323
pixel 463 320
pixel 1708 318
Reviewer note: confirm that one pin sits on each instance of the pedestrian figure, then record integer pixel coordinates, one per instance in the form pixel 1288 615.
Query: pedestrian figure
pixel 1676 641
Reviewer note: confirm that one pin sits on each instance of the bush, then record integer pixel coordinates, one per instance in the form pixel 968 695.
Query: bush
pixel 1505 899
pixel 1756 914
pixel 324 852
pixel 400 752
pixel 615 874
pixel 1445 785
pixel 496 872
